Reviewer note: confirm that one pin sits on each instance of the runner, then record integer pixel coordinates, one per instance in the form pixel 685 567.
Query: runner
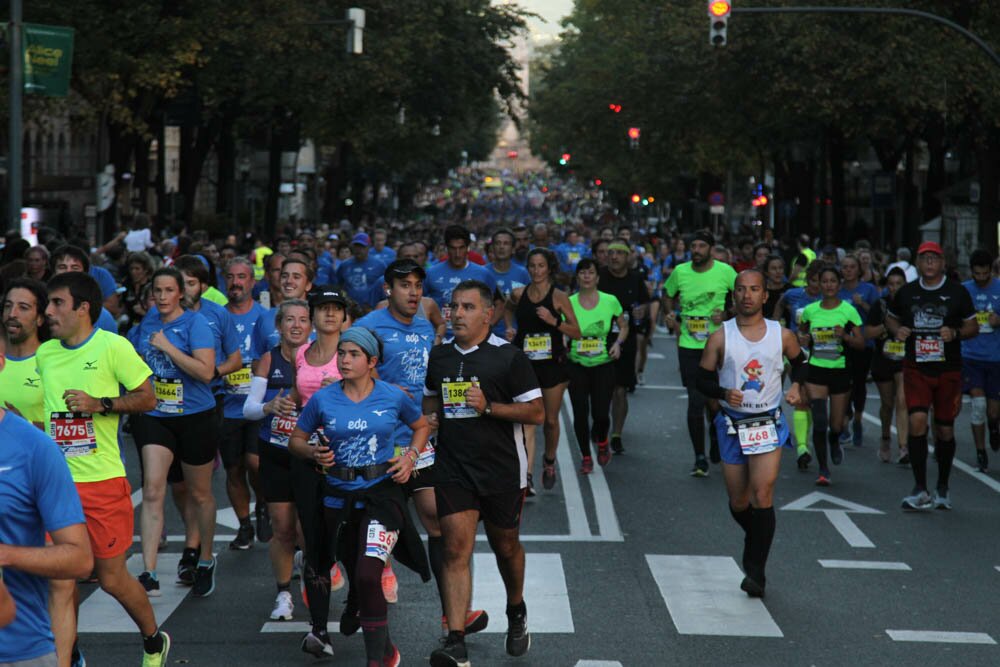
pixel 179 347
pixel 358 274
pixel 358 417
pixel 591 371
pixel 68 258
pixel 24 306
pixel 887 371
pixel 39 498
pixel 826 326
pixel 544 317
pixel 407 339
pixel 806 256
pixel 442 277
pixel 741 367
pixel 702 287
pixel 931 315
pixel 981 357
pixel 862 295
pixel 480 391
pixel 81 370
pixel 507 275
pixel 630 289
pixel 773 267
pixel 270 401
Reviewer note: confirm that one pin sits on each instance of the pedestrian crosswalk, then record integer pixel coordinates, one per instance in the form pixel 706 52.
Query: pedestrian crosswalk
pixel 100 613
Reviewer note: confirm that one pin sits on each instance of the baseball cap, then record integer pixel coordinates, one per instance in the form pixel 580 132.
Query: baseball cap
pixel 930 246
pixel 404 267
pixel 361 239
pixel 326 294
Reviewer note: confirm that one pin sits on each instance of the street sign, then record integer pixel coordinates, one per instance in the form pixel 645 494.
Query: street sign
pixel 48 59
pixel 106 188
pixel 716 199
pixel 837 515
pixel 717 210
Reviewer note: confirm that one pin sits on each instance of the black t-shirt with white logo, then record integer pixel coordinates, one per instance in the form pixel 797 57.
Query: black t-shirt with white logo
pixel 630 290
pixel 479 452
pixel 924 311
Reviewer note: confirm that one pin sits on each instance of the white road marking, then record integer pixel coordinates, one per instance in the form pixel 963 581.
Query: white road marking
pixel 837 517
pixel 136 498
pixel 938 636
pixel 296 627
pixel 957 463
pixel 663 387
pixel 703 596
pixel 607 520
pixel 226 516
pixel 569 479
pixel 598 663
pixel 545 593
pixel 182 538
pixel 655 355
pixel 865 565
pixel 101 613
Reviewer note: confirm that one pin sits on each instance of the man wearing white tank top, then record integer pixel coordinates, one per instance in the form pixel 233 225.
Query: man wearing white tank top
pixel 741 368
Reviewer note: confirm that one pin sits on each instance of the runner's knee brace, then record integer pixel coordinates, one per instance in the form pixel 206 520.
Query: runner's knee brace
pixel 978 417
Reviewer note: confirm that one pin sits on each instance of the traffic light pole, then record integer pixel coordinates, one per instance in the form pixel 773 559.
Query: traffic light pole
pixel 14 141
pixel 971 36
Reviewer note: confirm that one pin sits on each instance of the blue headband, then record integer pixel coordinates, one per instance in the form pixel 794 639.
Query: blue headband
pixel 363 338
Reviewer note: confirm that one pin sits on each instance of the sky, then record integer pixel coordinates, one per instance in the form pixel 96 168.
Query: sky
pixel 551 10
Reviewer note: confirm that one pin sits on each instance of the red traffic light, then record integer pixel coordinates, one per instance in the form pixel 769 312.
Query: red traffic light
pixel 633 133
pixel 636 199
pixel 617 108
pixel 719 8
pixel 512 154
pixel 566 156
pixel 598 182
pixel 760 201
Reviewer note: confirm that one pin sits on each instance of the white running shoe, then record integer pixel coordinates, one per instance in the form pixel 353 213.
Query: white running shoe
pixel 283 607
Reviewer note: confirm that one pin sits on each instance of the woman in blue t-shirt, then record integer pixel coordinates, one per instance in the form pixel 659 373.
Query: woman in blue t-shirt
pixel 364 502
pixel 179 348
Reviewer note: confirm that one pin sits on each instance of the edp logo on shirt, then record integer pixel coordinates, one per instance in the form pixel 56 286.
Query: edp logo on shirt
pixel 357 424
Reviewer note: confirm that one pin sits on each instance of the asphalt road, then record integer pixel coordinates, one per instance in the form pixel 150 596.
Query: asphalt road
pixel 637 565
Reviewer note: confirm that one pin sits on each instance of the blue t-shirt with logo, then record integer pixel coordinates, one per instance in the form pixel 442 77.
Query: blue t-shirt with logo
pixel 266 336
pixel 869 294
pixel 985 346
pixel 357 278
pixel 177 393
pixel 37 495
pixel 359 434
pixel 105 280
pixel 570 255
pixel 386 255
pixel 226 339
pixel 443 277
pixel 796 300
pixel 516 276
pixel 406 349
pixel 237 385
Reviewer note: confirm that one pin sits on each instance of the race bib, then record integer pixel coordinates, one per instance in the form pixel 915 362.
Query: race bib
pixel 758 437
pixel 983 318
pixel 238 382
pixel 574 258
pixel 929 349
pixel 538 347
pixel 446 313
pixel 826 345
pixel 453 397
pixel 169 395
pixel 281 429
pixel 894 350
pixel 74 433
pixel 697 327
pixel 380 541
pixel 590 347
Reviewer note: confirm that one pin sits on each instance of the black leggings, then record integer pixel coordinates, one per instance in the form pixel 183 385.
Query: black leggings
pixel 590 389
pixel 689 360
pixel 859 362
pixel 307 488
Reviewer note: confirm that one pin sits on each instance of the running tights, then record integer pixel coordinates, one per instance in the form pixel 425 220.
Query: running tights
pixel 858 364
pixel 822 433
pixel 590 389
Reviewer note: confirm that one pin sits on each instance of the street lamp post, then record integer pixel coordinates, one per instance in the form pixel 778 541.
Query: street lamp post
pixel 16 80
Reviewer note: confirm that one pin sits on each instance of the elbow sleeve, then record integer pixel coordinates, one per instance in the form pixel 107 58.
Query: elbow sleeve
pixel 253 408
pixel 707 383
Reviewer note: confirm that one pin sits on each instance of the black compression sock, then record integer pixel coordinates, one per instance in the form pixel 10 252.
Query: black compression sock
pixel 154 643
pixel 762 521
pixel 742 517
pixel 945 455
pixel 917 447
pixel 435 555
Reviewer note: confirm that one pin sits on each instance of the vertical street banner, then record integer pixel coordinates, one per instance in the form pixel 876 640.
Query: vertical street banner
pixel 48 59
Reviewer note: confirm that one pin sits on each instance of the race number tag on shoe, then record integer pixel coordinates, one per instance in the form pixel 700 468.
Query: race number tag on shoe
pixel 169 395
pixel 453 398
pixel 894 350
pixel 538 347
pixel 380 541
pixel 983 318
pixel 929 349
pixel 697 327
pixel 74 433
pixel 758 437
pixel 281 429
pixel 238 382
pixel 590 347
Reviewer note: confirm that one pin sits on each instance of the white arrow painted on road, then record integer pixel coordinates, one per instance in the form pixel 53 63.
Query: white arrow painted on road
pixel 838 517
pixel 598 663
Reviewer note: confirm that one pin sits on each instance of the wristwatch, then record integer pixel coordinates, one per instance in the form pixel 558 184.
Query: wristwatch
pixel 107 405
pixel 488 410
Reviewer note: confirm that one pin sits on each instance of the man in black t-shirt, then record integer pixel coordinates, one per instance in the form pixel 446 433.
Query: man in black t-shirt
pixel 932 315
pixel 479 392
pixel 630 289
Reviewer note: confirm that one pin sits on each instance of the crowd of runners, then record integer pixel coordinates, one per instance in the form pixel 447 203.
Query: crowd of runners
pixel 334 375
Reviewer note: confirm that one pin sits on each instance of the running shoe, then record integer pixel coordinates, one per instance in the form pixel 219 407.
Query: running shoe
pixel 918 501
pixel 158 659
pixel 244 538
pixel 885 450
pixel 336 578
pixel 186 566
pixel 451 654
pixel 548 474
pixel 700 468
pixel 858 435
pixel 152 586
pixel 941 500
pixel 805 458
pixel 317 645
pixel 982 460
pixel 640 378
pixel 204 580
pixel 824 478
pixel 845 436
pixel 586 465
pixel 475 621
pixel 603 454
pixel 297 564
pixel 393 659
pixel 904 457
pixel 753 588
pixel 518 640
pixel 77 659
pixel 530 490
pixel 713 451
pixel 837 452
pixel 390 585
pixel 264 529
pixel 350 621
pixel 616 444
pixel 283 607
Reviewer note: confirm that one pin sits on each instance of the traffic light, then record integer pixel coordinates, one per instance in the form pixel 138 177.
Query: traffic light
pixel 616 108
pixel 718 16
pixel 598 182
pixel 633 137
pixel 564 160
pixel 636 199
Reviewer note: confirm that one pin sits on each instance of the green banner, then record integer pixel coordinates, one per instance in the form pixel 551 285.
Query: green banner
pixel 48 59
